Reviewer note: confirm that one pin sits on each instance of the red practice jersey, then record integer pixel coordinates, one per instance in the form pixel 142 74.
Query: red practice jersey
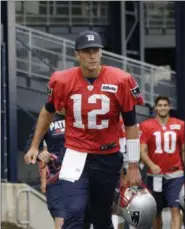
pixel 92 111
pixel 164 143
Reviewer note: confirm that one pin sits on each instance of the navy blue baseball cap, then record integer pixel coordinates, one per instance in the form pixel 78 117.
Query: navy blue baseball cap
pixel 88 39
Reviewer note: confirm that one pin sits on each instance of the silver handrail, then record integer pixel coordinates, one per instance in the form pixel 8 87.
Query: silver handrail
pixel 18 195
pixel 28 192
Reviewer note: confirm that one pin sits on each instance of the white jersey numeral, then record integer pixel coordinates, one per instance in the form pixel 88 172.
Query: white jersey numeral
pixel 169 139
pixel 92 115
pixel 77 106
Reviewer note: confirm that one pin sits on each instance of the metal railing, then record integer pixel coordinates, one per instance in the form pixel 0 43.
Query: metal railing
pixel 70 13
pixel 158 15
pixel 27 192
pixel 27 221
pixel 39 53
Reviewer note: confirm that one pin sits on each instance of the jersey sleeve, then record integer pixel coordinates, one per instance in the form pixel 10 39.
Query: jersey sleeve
pixel 55 90
pixel 143 134
pixel 129 94
pixel 182 134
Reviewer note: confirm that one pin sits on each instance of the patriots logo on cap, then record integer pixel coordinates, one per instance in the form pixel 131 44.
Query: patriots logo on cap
pixel 135 217
pixel 90 37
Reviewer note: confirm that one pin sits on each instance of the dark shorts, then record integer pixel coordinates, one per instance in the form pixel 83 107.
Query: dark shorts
pixel 97 185
pixel 169 197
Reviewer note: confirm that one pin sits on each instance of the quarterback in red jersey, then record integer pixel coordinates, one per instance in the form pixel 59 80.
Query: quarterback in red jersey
pixel 93 97
pixel 162 145
pixel 92 110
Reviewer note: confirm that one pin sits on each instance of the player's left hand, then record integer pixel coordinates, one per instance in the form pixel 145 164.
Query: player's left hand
pixel 43 173
pixel 133 176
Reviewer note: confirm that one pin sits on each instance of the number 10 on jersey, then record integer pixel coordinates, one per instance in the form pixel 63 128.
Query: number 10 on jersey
pixel 165 142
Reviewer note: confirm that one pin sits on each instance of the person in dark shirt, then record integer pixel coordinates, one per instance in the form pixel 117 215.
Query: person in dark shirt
pixel 52 151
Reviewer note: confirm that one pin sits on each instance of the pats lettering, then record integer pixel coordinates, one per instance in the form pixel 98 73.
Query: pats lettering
pixel 57 126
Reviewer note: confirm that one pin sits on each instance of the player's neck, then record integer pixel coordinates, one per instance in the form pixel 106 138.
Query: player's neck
pixel 161 120
pixel 91 74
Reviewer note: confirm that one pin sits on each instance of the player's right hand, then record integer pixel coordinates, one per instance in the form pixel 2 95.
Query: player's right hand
pixel 31 156
pixel 44 156
pixel 133 176
pixel 155 169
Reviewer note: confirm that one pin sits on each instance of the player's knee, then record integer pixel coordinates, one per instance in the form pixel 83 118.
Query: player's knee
pixel 58 222
pixel 175 212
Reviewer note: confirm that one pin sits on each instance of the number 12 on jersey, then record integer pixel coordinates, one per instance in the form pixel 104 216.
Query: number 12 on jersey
pixel 92 115
pixel 165 142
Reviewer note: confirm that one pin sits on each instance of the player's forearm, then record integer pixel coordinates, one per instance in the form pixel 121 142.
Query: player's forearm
pixel 145 158
pixel 131 132
pixel 132 135
pixel 44 120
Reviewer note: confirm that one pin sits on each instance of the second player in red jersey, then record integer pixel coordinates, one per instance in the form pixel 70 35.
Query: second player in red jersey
pixel 162 150
pixel 164 143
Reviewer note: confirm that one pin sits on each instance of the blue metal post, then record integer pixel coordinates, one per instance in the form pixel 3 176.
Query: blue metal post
pixel 4 168
pixel 8 22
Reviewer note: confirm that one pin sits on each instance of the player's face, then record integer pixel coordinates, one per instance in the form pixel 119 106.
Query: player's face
pixel 162 108
pixel 89 58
